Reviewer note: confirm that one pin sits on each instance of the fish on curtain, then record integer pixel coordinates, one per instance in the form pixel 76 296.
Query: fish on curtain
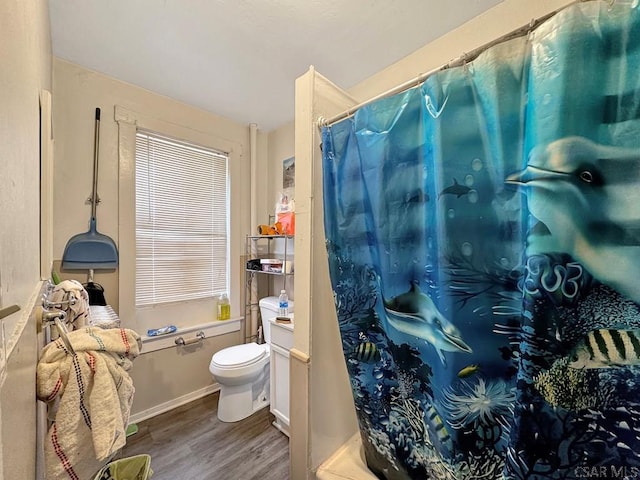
pixel 482 233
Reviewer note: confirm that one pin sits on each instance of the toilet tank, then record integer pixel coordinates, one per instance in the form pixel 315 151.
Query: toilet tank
pixel 269 309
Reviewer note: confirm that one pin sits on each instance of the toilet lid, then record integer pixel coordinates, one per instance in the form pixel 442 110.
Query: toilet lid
pixel 239 355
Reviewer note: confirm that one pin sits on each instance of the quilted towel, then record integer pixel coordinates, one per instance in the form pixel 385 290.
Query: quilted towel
pixel 93 392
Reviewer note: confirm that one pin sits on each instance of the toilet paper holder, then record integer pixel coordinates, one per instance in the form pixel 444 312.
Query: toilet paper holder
pixel 183 343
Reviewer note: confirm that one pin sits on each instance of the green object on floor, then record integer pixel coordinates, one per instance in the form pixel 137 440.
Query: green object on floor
pixel 132 429
pixel 130 468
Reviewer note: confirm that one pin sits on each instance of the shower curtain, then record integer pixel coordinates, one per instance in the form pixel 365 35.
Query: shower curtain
pixel 483 239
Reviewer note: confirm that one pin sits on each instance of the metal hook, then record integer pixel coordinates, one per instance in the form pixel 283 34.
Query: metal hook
pixel 532 24
pixel 465 62
pixel 62 330
pixel 69 299
pixel 51 316
pixel 57 317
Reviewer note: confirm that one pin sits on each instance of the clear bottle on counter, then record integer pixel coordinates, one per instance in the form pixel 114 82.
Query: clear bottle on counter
pixel 283 304
pixel 224 308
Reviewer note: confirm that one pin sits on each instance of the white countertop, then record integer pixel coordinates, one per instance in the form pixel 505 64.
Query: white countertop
pixel 287 326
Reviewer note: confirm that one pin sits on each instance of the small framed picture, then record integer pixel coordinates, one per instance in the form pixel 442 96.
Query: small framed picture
pixel 288 173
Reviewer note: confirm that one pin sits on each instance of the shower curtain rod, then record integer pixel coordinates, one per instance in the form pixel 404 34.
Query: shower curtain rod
pixel 456 62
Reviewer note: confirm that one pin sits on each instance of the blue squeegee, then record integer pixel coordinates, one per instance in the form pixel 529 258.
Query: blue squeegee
pixel 91 250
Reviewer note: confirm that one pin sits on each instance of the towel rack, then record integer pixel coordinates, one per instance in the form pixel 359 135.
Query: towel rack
pixel 57 317
pixel 70 298
pixel 62 330
pixel 46 303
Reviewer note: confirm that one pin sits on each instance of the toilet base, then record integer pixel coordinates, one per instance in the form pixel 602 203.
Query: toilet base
pixel 237 402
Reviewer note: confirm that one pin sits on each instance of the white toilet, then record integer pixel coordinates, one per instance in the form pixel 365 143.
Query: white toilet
pixel 243 371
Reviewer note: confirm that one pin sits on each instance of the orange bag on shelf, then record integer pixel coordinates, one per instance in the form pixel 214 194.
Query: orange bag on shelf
pixel 285 214
pixel 288 222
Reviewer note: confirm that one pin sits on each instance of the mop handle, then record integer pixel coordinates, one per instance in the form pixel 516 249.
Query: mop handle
pixel 96 140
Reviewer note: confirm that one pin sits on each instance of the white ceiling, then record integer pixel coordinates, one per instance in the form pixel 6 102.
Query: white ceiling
pixel 240 58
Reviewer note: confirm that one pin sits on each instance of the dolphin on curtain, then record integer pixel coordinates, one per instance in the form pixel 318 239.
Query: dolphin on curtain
pixel 414 312
pixel 587 196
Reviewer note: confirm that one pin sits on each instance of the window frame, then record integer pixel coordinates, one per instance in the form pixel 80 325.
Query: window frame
pixel 196 313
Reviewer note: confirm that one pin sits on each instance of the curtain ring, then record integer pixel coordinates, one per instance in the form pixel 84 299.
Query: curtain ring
pixel 532 24
pixel 465 62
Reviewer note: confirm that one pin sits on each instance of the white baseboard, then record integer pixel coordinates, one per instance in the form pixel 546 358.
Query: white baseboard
pixel 346 463
pixel 284 429
pixel 171 404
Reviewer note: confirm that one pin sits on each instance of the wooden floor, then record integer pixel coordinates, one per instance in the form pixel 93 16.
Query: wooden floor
pixel 190 443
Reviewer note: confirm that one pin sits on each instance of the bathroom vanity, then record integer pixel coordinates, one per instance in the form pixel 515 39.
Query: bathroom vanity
pixel 281 343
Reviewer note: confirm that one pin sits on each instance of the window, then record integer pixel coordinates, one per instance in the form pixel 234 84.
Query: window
pixel 181 221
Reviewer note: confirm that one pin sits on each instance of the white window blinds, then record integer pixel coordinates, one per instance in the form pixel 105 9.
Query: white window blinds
pixel 182 218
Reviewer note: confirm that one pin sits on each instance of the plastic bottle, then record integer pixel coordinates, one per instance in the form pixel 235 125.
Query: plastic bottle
pixel 283 302
pixel 224 308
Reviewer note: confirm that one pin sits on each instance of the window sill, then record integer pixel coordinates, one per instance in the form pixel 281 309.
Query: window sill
pixel 211 329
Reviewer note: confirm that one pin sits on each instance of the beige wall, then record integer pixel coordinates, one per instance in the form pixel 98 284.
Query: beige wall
pixel 281 147
pixel 264 195
pixel 25 52
pixel 161 378
pixel 77 92
pixel 312 335
pixel 323 419
pixel 486 27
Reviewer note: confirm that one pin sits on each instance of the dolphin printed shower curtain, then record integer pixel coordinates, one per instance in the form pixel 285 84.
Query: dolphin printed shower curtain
pixel 483 238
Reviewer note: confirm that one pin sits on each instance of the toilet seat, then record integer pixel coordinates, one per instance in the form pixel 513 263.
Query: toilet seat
pixel 239 356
